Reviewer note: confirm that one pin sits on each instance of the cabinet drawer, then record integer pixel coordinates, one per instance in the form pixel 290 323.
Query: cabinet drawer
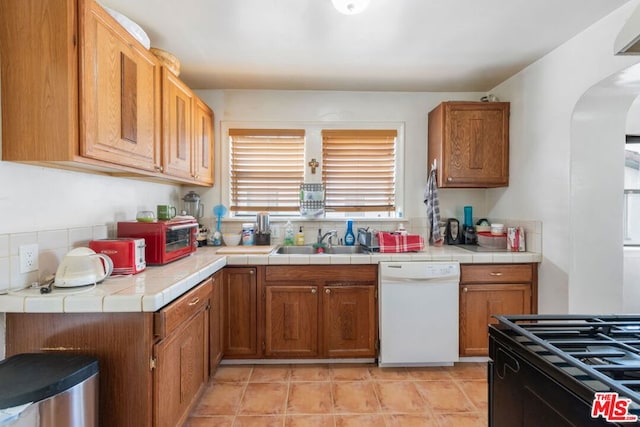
pixel 175 314
pixel 496 273
pixel 336 273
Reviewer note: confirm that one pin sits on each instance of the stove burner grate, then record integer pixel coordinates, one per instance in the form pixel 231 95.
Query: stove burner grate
pixel 604 349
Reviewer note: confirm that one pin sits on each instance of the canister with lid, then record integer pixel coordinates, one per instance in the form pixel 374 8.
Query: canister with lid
pixel 248 233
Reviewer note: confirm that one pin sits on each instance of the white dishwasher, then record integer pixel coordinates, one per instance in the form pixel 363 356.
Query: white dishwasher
pixel 418 313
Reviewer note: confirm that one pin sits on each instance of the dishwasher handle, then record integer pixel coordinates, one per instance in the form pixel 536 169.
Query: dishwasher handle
pixel 408 279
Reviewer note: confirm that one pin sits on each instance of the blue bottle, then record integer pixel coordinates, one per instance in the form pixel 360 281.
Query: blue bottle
pixel 349 238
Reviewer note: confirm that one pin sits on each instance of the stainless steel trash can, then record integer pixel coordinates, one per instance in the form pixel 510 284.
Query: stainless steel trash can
pixel 49 390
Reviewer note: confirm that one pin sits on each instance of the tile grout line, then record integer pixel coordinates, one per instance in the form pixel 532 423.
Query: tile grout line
pixel 244 390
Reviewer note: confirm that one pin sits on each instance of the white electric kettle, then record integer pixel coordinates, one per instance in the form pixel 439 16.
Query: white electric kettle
pixel 81 267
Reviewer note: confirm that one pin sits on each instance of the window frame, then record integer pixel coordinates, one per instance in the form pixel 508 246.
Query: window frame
pixel 313 149
pixel 635 140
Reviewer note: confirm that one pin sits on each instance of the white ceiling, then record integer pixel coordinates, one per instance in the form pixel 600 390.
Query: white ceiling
pixel 395 45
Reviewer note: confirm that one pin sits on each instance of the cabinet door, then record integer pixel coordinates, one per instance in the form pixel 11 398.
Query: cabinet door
pixel 216 321
pixel 177 126
pixel 181 370
pixel 119 93
pixel 240 292
pixel 203 142
pixel 478 303
pixel 470 141
pixel 291 326
pixel 349 321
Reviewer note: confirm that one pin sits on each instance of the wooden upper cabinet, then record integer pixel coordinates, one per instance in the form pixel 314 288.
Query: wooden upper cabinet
pixel 203 143
pixel 79 92
pixel 38 41
pixel 187 132
pixel 470 143
pixel 119 94
pixel 177 126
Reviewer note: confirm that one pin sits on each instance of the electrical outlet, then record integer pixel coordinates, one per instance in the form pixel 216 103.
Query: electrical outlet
pixel 28 258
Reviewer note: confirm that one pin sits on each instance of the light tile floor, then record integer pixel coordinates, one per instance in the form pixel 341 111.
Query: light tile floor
pixel 344 396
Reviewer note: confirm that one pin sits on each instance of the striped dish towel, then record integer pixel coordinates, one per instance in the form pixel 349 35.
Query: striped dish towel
pixel 433 208
pixel 394 242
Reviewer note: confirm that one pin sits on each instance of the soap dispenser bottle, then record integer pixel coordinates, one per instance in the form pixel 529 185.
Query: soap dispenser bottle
pixel 300 237
pixel 349 238
pixel 288 234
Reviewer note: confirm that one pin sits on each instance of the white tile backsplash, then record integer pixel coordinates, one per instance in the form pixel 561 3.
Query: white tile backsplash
pixel 52 247
pixel 18 239
pixel 80 236
pixel 53 239
pixel 5 277
pixel 101 232
pixel 54 244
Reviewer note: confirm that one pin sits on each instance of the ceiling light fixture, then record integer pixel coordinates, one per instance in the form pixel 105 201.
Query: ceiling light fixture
pixel 350 7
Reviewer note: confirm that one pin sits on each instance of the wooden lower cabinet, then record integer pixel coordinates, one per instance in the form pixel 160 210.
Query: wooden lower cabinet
pixel 291 321
pixel 240 307
pixel 349 321
pixel 492 289
pixel 320 311
pixel 182 367
pixel 152 366
pixel 216 324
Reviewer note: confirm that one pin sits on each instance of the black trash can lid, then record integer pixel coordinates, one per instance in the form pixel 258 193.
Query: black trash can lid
pixel 31 377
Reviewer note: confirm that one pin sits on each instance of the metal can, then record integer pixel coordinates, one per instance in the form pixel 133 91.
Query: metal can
pixel 248 234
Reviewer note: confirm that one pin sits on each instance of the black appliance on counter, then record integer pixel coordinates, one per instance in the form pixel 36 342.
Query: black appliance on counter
pixel 469 236
pixel 453 232
pixel 546 370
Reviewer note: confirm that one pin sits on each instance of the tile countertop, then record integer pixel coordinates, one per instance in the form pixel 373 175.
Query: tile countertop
pixel 158 286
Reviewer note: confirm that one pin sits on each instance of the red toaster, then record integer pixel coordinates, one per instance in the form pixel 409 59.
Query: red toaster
pixel 126 253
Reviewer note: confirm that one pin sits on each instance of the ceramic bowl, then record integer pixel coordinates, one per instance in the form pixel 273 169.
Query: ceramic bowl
pixel 231 239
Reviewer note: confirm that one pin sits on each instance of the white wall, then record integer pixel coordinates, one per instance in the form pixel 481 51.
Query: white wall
pixel 566 166
pixel 34 198
pixel 318 106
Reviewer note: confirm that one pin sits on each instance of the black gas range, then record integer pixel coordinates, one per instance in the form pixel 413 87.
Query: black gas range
pixel 566 370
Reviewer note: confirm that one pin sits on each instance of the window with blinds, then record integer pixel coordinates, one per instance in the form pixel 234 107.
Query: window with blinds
pixel 359 170
pixel 266 169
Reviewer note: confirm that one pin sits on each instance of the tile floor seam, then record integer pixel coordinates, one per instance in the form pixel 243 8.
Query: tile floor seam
pixel 244 390
pixel 457 383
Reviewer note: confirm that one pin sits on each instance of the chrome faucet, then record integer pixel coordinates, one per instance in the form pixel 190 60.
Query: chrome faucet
pixel 321 237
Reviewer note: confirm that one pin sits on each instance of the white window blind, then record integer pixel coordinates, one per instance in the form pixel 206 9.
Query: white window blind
pixel 359 170
pixel 266 168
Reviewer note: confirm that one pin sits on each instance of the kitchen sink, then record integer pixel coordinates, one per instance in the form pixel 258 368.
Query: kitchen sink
pixel 296 250
pixel 343 249
pixel 310 250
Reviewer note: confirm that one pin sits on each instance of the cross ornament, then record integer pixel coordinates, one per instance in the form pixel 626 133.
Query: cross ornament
pixel 313 164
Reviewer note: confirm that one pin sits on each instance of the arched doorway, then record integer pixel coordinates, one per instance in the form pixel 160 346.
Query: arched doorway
pixel 598 127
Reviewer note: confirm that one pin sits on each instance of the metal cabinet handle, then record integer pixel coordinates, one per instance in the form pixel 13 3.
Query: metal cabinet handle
pixel 314 290
pixel 194 301
pixel 327 291
pixel 159 168
pixel 251 272
pixel 505 361
pixel 465 289
pixel 495 274
pixel 449 179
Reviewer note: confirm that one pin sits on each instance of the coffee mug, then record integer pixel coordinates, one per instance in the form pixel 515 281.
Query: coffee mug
pixel 166 212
